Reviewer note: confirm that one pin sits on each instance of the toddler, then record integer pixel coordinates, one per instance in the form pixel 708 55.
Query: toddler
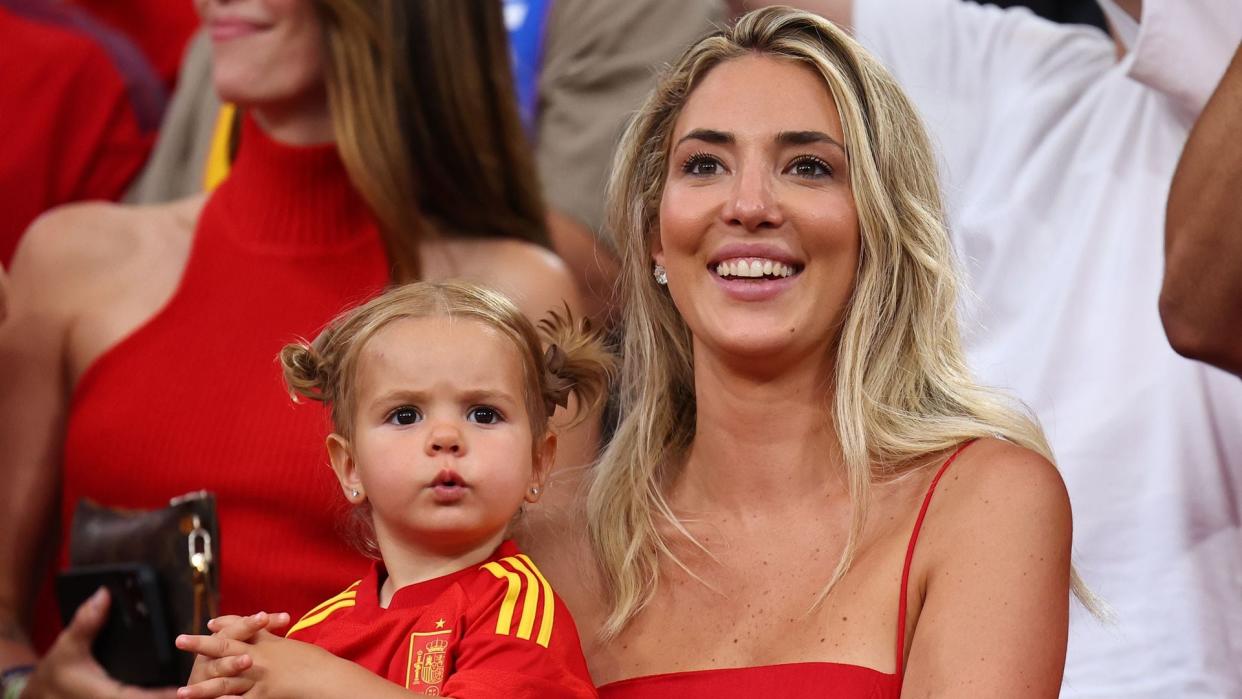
pixel 440 395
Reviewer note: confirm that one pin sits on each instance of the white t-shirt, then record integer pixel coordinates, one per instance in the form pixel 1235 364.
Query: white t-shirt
pixel 1056 165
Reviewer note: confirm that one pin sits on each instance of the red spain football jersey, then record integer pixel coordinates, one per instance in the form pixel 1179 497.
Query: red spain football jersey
pixel 490 630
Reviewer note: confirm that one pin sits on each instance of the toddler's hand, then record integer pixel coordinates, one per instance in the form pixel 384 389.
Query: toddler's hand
pixel 243 628
pixel 267 666
pixel 227 628
pixel 218 668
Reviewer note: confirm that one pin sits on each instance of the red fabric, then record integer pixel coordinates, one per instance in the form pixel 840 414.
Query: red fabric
pixel 194 398
pixel 473 633
pixel 905 568
pixel 71 132
pixel 159 27
pixel 791 679
pixel 788 680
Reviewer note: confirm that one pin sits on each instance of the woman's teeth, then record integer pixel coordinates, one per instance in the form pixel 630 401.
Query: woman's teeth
pixel 752 268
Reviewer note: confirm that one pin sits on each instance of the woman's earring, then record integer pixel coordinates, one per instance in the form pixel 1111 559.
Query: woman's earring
pixel 353 492
pixel 534 490
pixel 660 274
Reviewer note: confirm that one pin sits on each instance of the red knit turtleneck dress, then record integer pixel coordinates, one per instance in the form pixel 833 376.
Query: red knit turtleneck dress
pixel 194 399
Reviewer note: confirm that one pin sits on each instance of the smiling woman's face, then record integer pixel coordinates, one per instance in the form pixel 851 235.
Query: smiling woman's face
pixel 758 228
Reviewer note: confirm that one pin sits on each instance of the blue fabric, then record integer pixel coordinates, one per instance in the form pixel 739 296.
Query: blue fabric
pixel 526 22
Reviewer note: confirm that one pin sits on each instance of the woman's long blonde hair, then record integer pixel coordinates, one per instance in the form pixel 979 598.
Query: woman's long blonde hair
pixel 901 390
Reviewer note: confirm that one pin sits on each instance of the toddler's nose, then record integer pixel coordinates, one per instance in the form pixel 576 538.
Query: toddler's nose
pixel 444 439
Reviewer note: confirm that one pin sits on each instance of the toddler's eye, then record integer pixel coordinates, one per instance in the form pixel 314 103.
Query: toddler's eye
pixel 484 415
pixel 405 415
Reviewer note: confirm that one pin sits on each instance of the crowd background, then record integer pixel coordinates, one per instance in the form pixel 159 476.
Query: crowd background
pixel 1059 145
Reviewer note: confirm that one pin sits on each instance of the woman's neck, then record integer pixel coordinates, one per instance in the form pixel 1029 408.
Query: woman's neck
pixel 760 439
pixel 304 122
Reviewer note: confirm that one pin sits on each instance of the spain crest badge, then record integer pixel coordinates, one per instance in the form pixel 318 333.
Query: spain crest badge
pixel 427 662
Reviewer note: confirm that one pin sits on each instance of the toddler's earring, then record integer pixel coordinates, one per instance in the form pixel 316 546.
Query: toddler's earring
pixel 660 274
pixel 534 490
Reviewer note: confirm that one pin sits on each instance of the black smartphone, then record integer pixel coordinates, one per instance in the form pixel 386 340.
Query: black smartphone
pixel 135 644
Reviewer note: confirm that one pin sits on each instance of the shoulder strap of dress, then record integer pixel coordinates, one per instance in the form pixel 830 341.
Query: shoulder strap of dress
pixel 905 570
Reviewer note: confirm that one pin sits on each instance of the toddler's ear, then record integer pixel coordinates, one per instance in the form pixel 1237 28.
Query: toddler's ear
pixel 545 456
pixel 341 454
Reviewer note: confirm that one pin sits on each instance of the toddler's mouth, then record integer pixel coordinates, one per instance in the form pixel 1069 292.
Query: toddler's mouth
pixel 448 477
pixel 448 487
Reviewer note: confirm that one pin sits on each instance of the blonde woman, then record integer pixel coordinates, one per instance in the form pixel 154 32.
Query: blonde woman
pixel 807 494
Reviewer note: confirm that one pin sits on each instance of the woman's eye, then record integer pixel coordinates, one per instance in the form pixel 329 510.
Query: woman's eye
pixel 405 415
pixel 484 415
pixel 701 164
pixel 810 166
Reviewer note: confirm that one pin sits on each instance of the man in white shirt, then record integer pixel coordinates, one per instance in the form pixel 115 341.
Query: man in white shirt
pixel 1058 144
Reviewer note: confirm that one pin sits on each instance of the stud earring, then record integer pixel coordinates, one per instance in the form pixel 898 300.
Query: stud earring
pixel 353 492
pixel 534 490
pixel 660 274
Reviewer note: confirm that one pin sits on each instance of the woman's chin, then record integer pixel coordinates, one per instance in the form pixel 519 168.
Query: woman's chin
pixel 758 350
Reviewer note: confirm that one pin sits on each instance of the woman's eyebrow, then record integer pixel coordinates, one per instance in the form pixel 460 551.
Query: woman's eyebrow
pixel 799 138
pixel 785 138
pixel 708 135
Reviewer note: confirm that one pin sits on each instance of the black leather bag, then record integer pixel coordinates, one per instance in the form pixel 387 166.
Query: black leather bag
pixel 180 542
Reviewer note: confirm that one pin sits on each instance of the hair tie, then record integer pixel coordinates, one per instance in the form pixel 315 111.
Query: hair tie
pixel 557 384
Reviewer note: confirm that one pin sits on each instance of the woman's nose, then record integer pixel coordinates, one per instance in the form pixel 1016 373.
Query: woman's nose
pixel 752 201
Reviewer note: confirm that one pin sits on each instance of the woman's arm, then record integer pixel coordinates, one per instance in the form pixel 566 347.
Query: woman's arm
pixel 32 406
pixel 4 294
pixel 995 576
pixel 61 266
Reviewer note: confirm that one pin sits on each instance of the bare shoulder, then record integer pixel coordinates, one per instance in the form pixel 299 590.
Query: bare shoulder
pixel 72 250
pixel 999 490
pixel 993 579
pixel 534 277
pixel 996 464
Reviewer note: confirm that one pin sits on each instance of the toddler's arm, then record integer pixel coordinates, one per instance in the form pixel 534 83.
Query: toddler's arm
pixel 277 667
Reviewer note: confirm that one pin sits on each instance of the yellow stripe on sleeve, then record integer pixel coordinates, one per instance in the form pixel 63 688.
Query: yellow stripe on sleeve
pixel 531 604
pixel 350 592
pixel 316 617
pixel 549 603
pixel 505 620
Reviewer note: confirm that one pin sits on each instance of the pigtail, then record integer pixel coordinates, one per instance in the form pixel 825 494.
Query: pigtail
pixel 578 361
pixel 305 372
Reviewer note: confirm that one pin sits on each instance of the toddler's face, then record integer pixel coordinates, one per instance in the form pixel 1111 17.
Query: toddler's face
pixel 442 444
